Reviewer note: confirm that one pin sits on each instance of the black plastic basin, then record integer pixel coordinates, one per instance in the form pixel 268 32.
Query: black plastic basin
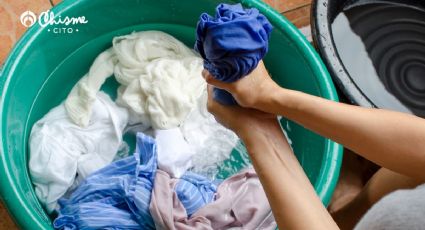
pixel 374 50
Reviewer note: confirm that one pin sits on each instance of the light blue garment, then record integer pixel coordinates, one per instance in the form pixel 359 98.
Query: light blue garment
pixel 118 196
pixel 195 191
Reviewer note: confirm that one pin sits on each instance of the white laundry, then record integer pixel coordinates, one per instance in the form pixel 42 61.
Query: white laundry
pixel 60 151
pixel 174 153
pixel 80 101
pixel 160 80
pixel 137 50
pixel 200 144
pixel 212 142
pixel 165 94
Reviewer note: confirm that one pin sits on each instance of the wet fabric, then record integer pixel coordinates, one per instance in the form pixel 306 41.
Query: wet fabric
pixel 118 196
pixel 79 103
pixel 240 203
pixel 232 42
pixel 199 144
pixel 211 142
pixel 61 153
pixel 160 80
pixel 174 152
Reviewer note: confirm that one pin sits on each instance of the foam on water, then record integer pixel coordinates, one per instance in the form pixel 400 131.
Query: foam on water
pixel 212 142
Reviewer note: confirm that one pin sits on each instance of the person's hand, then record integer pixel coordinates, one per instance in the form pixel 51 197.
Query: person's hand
pixel 252 91
pixel 245 122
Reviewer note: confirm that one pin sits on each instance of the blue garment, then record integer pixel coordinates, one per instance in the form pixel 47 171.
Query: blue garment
pixel 118 196
pixel 195 191
pixel 233 42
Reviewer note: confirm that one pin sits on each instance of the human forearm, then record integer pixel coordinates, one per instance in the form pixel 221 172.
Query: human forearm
pixel 391 139
pixel 293 200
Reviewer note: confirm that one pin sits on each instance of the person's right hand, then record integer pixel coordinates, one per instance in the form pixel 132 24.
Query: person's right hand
pixel 253 91
pixel 249 124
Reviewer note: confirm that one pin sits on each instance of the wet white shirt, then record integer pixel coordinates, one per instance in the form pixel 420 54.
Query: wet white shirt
pixel 62 153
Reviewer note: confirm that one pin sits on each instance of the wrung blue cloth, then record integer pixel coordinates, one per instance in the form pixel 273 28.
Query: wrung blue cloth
pixel 232 43
pixel 118 196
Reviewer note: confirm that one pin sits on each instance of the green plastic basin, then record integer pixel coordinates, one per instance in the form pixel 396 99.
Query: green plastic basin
pixel 43 67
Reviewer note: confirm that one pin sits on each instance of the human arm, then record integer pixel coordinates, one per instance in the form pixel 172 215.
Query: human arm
pixel 382 183
pixel 293 200
pixel 391 139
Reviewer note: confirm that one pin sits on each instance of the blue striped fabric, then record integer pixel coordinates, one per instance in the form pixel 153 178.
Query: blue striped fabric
pixel 195 191
pixel 118 196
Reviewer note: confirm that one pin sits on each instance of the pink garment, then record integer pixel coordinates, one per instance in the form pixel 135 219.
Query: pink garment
pixel 240 203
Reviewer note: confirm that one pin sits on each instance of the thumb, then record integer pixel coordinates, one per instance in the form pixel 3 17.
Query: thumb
pixel 209 78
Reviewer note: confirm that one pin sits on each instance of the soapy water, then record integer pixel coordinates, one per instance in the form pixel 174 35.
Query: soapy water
pixel 220 155
pixel 219 164
pixel 225 156
pixel 211 142
pixel 219 152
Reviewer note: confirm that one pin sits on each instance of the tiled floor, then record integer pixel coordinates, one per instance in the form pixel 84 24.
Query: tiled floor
pixel 298 11
pixel 10 26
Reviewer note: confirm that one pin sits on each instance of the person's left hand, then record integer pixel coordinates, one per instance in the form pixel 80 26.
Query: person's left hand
pixel 243 121
pixel 258 81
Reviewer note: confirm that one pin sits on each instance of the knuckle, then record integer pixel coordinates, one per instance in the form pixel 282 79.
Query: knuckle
pixel 210 107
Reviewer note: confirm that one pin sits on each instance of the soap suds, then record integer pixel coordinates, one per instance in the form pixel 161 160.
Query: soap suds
pixel 211 142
